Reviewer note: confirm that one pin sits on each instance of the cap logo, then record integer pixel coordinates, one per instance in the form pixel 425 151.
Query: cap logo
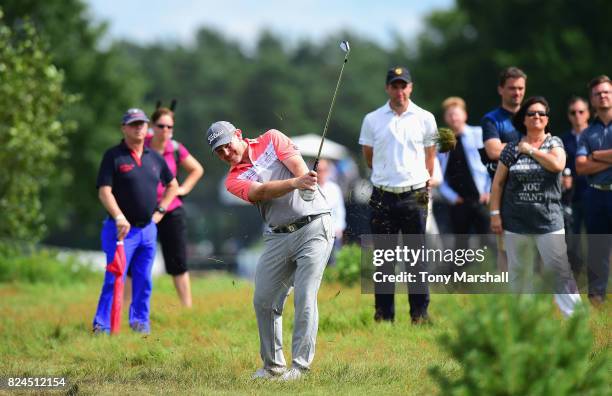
pixel 398 71
pixel 215 135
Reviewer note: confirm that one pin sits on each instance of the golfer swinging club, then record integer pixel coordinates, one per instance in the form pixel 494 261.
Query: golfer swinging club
pixel 269 172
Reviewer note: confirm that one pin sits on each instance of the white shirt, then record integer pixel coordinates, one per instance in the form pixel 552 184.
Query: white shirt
pixel 399 143
pixel 334 197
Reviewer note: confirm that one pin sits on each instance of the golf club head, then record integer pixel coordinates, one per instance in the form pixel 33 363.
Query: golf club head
pixel 344 46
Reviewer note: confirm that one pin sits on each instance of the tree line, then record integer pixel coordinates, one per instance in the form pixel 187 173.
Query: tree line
pixel 559 44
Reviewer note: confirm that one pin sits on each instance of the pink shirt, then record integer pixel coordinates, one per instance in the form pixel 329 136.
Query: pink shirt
pixel 170 160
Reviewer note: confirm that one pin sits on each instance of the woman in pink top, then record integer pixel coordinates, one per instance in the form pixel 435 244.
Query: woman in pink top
pixel 172 230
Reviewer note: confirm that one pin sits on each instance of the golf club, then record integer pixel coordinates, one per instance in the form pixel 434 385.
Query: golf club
pixel 344 46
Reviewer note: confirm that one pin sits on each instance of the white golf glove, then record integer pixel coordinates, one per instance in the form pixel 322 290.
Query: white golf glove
pixel 307 195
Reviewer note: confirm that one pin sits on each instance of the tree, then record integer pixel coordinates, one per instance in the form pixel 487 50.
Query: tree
pixel 31 136
pixel 106 84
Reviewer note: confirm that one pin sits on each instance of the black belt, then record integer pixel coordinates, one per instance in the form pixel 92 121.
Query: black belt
pixel 139 224
pixel 296 225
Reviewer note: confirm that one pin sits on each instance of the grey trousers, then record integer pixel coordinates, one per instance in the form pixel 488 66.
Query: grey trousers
pixel 553 251
pixel 291 261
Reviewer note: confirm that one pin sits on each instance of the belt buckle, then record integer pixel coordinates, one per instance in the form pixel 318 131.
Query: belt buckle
pixel 292 228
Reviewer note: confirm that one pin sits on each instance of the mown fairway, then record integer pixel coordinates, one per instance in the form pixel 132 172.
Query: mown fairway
pixel 214 348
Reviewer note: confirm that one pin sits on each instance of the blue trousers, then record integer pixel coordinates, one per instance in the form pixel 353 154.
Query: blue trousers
pixel 599 227
pixel 140 245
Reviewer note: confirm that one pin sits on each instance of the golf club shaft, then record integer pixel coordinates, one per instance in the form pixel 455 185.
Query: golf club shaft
pixel 331 107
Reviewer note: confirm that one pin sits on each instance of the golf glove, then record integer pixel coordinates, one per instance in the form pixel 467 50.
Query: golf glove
pixel 307 195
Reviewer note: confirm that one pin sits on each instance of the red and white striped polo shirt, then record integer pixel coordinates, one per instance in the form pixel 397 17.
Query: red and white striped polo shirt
pixel 267 153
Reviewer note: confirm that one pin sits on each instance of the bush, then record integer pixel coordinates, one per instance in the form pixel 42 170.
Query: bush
pixel 512 345
pixel 20 264
pixel 348 266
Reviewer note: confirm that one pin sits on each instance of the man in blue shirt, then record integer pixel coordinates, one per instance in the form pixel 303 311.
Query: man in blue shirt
pixel 573 200
pixel 594 159
pixel 127 187
pixel 497 130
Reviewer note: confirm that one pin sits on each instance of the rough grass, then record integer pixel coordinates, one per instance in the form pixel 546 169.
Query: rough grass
pixel 213 348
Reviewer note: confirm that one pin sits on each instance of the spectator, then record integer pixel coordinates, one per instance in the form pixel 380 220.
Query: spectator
pixel 498 130
pixel 127 183
pixel 172 229
pixel 466 182
pixel 594 159
pixel 578 115
pixel 528 176
pixel 335 199
pixel 398 145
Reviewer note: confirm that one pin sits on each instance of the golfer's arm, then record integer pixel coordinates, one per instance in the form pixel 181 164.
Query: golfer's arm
pixel 368 153
pixel 602 156
pixel 194 172
pixel 587 166
pixel 105 194
pixel 169 193
pixel 501 174
pixel 277 188
pixel 493 148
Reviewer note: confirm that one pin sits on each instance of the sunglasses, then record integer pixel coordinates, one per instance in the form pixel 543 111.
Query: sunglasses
pixel 162 126
pixel 534 113
pixel 573 112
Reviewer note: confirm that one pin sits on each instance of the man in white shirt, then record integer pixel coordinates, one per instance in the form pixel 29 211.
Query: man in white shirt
pixel 398 145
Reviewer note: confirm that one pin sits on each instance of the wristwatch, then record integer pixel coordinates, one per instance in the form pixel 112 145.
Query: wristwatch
pixel 160 209
pixel 531 150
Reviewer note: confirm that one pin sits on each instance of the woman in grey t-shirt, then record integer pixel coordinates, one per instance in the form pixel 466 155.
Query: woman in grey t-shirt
pixel 529 174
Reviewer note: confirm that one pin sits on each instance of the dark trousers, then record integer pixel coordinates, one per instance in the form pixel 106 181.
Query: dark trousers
pixel 599 227
pixel 392 214
pixel 172 232
pixel 466 218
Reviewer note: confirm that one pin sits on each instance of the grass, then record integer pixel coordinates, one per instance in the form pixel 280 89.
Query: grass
pixel 213 348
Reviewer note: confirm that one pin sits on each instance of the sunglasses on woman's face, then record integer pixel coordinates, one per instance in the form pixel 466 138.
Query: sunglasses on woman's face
pixel 534 113
pixel 162 126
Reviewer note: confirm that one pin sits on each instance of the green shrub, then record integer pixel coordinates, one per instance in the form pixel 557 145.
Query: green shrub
pixel 513 345
pixel 348 266
pixel 44 266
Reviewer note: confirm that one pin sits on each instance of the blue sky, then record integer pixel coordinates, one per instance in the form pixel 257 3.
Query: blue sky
pixel 157 20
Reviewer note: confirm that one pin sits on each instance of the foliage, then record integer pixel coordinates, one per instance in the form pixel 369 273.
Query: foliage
pixel 106 84
pixel 445 140
pixel 512 345
pixel 560 47
pixel 26 265
pixel 31 136
pixel 348 266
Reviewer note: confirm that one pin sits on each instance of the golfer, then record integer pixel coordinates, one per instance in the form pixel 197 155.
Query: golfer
pixel 269 172
pixel 127 187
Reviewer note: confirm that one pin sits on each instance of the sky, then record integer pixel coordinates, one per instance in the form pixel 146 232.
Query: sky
pixel 149 21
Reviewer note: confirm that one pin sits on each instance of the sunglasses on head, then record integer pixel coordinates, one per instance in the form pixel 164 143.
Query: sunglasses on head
pixel 162 126
pixel 534 113
pixel 573 112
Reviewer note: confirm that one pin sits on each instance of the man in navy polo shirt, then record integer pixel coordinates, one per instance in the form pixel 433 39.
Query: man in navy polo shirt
pixel 127 187
pixel 497 131
pixel 497 128
pixel 594 159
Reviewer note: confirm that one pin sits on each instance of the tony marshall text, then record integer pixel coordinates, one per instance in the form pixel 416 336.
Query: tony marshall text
pixel 456 277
